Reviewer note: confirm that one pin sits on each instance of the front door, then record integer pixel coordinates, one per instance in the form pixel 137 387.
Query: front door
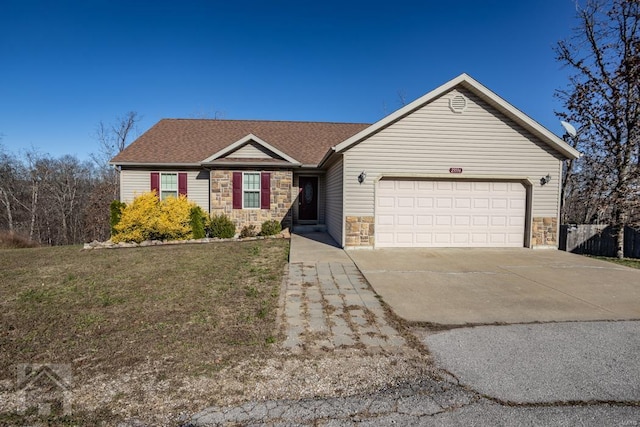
pixel 308 198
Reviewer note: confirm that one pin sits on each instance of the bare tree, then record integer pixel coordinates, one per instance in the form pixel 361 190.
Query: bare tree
pixel 113 138
pixel 602 100
pixel 8 185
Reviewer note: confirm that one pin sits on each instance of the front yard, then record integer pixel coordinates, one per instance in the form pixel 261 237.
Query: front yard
pixel 136 324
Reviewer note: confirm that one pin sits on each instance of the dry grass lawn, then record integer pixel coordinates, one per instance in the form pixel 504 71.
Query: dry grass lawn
pixel 171 312
pixel 627 262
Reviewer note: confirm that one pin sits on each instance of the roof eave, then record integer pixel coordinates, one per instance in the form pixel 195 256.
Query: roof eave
pixel 327 156
pixel 154 164
pixel 252 164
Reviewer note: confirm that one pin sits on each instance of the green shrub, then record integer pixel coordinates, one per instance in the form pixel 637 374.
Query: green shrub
pixel 221 226
pixel 115 208
pixel 198 218
pixel 248 231
pixel 271 227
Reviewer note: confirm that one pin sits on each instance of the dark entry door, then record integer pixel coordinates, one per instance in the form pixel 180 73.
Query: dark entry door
pixel 308 198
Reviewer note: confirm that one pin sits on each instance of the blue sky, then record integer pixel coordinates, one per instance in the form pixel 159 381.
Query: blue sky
pixel 67 65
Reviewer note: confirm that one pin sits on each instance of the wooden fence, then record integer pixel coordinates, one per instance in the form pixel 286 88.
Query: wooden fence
pixel 598 240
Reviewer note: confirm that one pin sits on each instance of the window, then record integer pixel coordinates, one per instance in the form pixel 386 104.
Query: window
pixel 251 190
pixel 168 185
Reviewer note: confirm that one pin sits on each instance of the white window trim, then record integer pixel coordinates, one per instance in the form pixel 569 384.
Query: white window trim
pixel 259 191
pixel 177 190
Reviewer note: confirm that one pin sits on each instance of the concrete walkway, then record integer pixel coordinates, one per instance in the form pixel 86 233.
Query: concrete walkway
pixel 328 305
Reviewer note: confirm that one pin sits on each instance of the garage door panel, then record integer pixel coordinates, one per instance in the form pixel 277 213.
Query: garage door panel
pixel 406 237
pixel 463 203
pixel 479 238
pixel 385 220
pixel 424 202
pixel 443 203
pixel 448 213
pixel 481 203
pixel 444 185
pixel 386 185
pixel 425 185
pixel 405 185
pixel 497 238
pixel 460 238
pixel 515 221
pixel 405 202
pixel 424 220
pixel 514 238
pixel 481 221
pixel 462 220
pixel 481 186
pixel 517 204
pixel 385 239
pixel 386 202
pixel 463 186
pixel 498 221
pixel 405 220
pixel 423 238
pixel 443 220
pixel 501 187
pixel 499 203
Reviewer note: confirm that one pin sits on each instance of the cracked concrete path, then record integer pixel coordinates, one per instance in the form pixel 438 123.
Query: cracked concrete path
pixel 408 402
pixel 425 403
pixel 329 306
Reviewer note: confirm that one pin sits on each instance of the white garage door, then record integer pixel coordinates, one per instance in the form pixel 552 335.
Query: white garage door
pixel 450 214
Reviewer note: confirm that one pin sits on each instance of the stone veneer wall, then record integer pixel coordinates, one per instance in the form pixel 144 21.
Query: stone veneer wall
pixel 545 231
pixel 281 200
pixel 360 231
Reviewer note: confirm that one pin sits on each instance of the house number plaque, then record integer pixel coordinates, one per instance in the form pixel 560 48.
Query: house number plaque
pixel 455 170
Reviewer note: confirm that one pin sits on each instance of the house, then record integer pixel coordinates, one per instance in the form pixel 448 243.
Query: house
pixel 458 166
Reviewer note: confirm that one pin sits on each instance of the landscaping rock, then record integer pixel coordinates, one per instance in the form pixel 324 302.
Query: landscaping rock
pixel 110 245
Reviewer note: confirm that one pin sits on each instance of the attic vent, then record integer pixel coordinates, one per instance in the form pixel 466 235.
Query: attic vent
pixel 458 104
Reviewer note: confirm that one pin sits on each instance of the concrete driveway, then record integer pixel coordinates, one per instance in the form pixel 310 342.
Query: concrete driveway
pixel 481 286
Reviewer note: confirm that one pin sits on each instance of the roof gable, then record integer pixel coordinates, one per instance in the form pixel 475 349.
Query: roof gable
pixel 251 140
pixel 469 83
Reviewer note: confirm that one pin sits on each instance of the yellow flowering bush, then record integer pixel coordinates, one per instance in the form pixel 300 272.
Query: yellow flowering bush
pixel 148 218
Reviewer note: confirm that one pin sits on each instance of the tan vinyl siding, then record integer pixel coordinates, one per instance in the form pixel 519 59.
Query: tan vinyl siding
pixel 252 151
pixel 333 205
pixel 482 141
pixel 135 182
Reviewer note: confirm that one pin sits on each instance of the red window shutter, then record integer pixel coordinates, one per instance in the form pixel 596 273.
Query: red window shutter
pixel 237 190
pixel 265 190
pixel 155 182
pixel 182 184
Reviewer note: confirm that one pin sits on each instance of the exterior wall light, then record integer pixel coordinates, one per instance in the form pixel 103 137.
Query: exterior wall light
pixel 362 177
pixel 545 179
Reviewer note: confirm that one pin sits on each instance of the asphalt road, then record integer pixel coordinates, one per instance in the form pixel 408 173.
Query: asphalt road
pixel 545 363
